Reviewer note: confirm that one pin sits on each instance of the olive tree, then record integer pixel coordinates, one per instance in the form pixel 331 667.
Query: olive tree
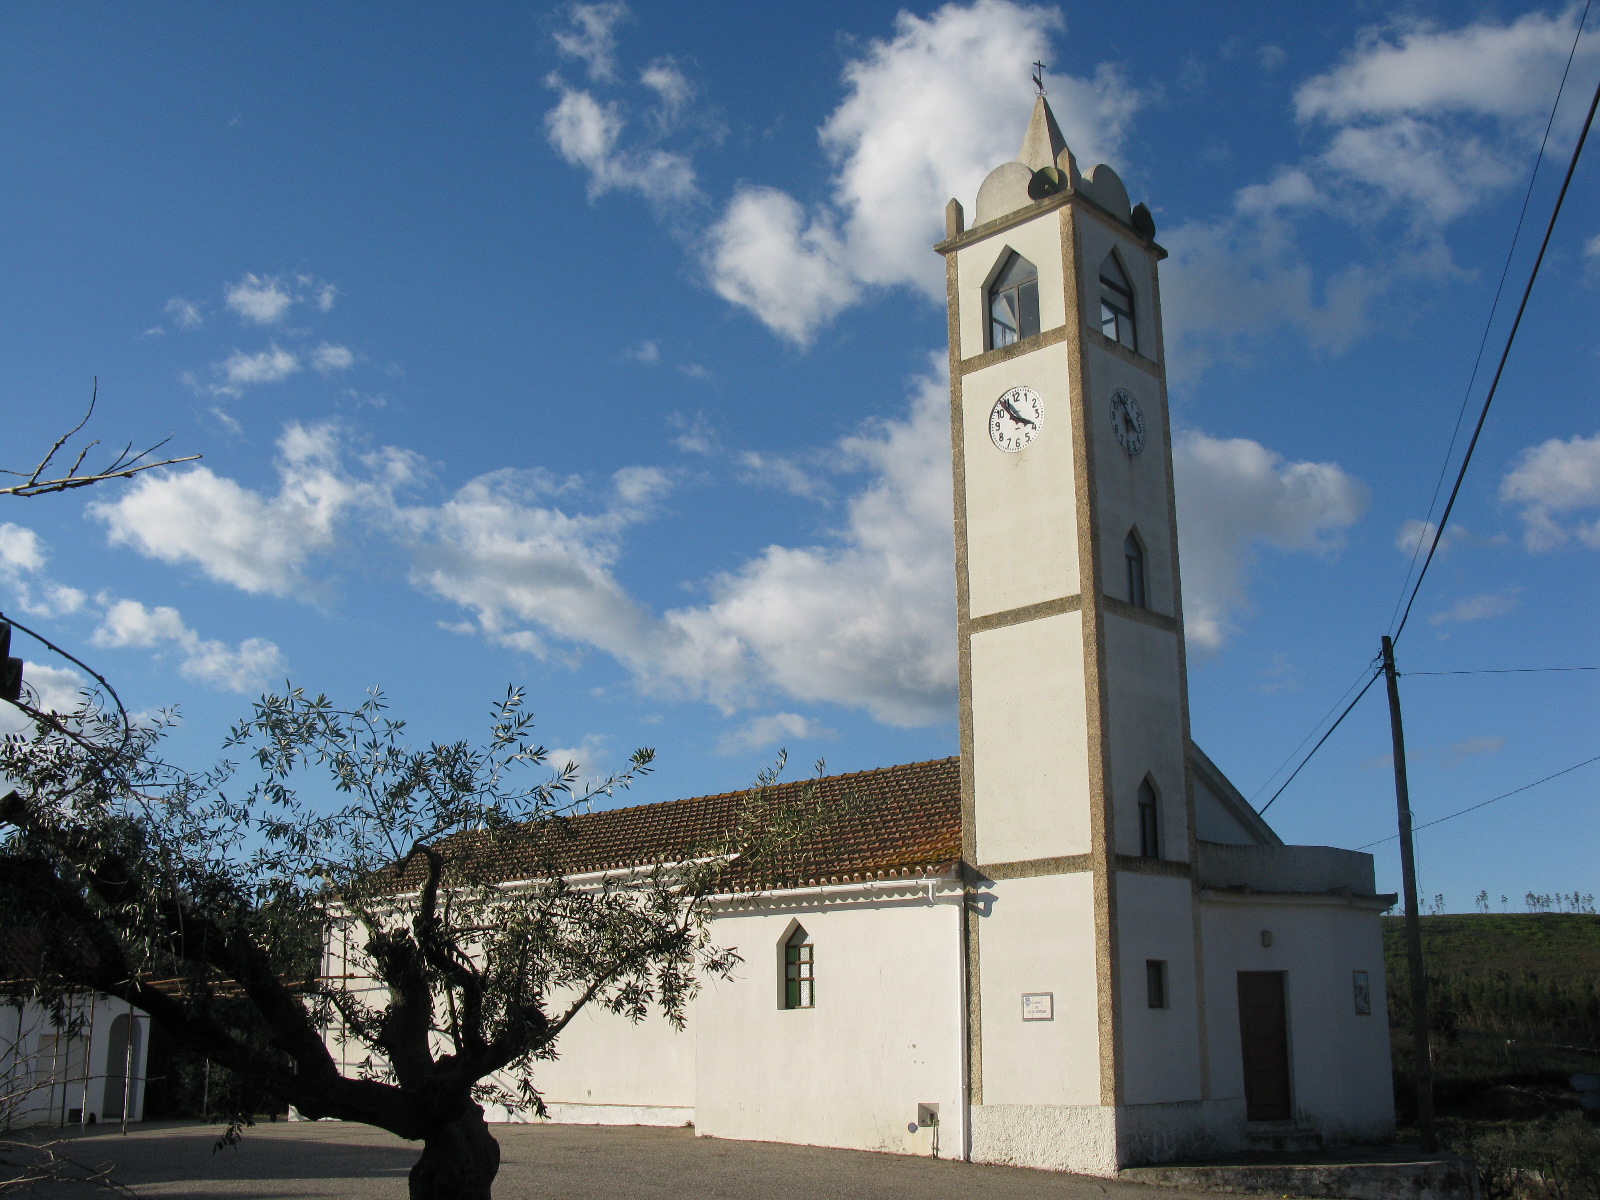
pixel 229 881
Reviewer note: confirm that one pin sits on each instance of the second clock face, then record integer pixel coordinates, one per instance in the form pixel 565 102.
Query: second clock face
pixel 1127 421
pixel 1016 419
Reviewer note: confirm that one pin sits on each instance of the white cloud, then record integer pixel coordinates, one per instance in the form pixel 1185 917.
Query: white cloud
pixel 22 561
pixel 1479 607
pixel 328 358
pixel 324 296
pixel 1271 57
pixel 1235 495
pixel 1414 537
pixel 781 472
pixel 184 314
pixel 528 569
pixel 866 619
pixel 241 668
pixel 55 689
pixel 647 353
pixel 259 299
pixel 774 729
pixel 673 90
pixel 696 435
pixel 587 134
pixel 1555 479
pixel 1457 754
pixel 928 112
pixel 20 549
pixel 241 537
pixel 1418 126
pixel 49 689
pixel 272 365
pixel 1415 67
pixel 791 270
pixel 592 37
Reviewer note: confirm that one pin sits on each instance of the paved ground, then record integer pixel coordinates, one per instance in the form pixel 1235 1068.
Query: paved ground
pixel 562 1162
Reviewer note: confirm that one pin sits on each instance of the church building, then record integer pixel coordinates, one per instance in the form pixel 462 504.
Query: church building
pixel 1075 945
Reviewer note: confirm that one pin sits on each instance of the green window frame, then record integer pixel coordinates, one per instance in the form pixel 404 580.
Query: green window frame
pixel 799 971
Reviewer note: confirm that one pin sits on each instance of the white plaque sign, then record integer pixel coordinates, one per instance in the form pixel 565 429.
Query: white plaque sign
pixel 1038 1006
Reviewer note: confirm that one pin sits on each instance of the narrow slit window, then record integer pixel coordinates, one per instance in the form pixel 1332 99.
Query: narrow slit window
pixel 799 974
pixel 1149 821
pixel 1116 304
pixel 1133 551
pixel 1013 302
pixel 1155 982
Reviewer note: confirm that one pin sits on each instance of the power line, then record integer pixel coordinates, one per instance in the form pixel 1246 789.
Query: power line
pixel 1289 757
pixel 1503 671
pixel 1494 306
pixel 1486 803
pixel 1493 386
pixel 1323 738
pixel 1505 354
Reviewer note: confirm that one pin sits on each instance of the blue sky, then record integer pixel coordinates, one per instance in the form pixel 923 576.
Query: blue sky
pixel 598 349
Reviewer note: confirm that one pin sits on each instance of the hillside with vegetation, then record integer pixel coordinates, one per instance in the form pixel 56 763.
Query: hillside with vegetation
pixel 1515 1013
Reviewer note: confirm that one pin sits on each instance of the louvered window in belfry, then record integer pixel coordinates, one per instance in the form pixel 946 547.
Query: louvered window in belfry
pixel 799 978
pixel 1116 304
pixel 1013 302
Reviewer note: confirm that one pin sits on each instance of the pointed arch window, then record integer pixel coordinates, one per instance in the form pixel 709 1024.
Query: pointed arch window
pixel 1116 303
pixel 1133 552
pixel 1013 302
pixel 1149 820
pixel 799 971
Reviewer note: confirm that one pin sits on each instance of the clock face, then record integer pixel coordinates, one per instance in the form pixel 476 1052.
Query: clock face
pixel 1016 419
pixel 1127 421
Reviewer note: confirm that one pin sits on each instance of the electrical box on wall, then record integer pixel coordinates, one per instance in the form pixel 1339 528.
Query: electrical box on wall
pixel 927 1116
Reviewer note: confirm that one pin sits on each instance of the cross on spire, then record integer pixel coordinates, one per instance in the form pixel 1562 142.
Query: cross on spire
pixel 1038 77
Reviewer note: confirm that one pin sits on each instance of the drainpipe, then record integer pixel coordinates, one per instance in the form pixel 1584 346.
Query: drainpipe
pixel 964 983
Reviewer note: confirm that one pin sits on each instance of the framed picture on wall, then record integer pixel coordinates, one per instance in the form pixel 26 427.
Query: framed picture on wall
pixel 1363 993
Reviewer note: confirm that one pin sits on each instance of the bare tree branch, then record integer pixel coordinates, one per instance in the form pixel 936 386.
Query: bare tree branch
pixel 124 465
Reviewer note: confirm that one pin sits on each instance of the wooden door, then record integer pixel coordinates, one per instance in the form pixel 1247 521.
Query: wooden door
pixel 1264 1037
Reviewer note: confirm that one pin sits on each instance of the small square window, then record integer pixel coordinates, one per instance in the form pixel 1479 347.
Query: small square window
pixel 1155 982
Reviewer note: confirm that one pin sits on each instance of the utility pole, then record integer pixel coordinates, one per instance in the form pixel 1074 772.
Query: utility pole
pixel 1408 871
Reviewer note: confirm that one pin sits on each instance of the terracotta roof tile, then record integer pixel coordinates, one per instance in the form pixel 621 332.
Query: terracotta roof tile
pixel 884 823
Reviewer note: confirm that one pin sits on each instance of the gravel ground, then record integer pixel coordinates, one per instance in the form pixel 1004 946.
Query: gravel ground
pixel 560 1162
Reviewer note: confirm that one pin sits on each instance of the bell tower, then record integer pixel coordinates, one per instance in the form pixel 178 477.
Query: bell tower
pixel 1086 1017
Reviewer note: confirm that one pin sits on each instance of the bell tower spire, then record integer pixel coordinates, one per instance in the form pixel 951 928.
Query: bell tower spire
pixel 1043 144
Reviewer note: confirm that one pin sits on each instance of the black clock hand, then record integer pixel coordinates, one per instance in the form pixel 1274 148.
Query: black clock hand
pixel 1015 415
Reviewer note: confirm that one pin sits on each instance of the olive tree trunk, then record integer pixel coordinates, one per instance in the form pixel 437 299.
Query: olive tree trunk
pixel 459 1161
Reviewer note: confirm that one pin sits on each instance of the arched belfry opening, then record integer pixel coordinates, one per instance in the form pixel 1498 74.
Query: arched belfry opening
pixel 1116 303
pixel 1013 301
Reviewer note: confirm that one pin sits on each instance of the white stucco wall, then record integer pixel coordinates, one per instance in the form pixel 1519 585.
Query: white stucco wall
pixel 1037 935
pixel 1022 532
pixel 45 1079
pixel 1160 1046
pixel 885 1035
pixel 1038 241
pixel 611 1070
pixel 1029 740
pixel 1339 1061
pixel 1144 690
